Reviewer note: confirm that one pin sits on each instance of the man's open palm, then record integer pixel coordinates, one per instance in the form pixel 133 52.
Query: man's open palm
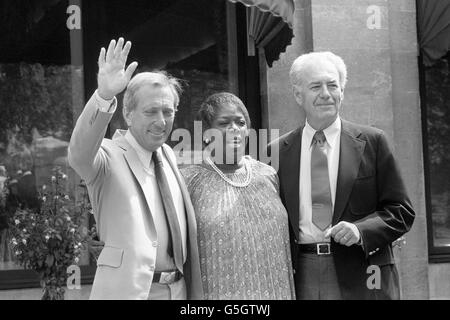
pixel 112 76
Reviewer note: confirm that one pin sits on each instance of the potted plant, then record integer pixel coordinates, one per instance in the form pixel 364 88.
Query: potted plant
pixel 50 239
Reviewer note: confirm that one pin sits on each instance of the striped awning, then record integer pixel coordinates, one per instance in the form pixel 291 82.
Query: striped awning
pixel 433 29
pixel 269 26
pixel 279 8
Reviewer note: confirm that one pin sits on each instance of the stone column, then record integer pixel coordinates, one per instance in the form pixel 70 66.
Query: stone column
pixel 408 142
pixel 283 113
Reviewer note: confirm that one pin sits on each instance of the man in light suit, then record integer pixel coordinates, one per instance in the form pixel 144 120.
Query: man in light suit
pixel 141 205
pixel 343 191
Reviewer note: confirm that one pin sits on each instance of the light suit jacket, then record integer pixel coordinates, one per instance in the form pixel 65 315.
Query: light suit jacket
pixel 114 176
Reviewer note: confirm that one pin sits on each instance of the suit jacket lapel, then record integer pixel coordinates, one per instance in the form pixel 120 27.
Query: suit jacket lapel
pixel 183 188
pixel 190 213
pixel 290 173
pixel 192 265
pixel 133 160
pixel 137 169
pixel 351 151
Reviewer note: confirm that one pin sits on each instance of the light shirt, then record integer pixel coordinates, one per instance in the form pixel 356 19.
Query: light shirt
pixel 105 105
pixel 309 233
pixel 150 187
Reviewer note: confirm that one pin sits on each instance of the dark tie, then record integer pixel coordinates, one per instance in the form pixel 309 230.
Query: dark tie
pixel 320 183
pixel 171 214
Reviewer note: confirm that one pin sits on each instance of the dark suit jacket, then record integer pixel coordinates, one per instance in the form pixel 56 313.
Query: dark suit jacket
pixel 370 193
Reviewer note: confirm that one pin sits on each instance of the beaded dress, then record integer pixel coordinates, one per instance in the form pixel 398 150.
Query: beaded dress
pixel 243 233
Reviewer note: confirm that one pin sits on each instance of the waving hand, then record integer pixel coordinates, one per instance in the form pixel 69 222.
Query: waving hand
pixel 112 76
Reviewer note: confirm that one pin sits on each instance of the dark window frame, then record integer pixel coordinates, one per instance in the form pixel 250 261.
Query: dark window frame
pixel 436 254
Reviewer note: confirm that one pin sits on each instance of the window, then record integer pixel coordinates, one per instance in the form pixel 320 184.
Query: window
pixel 48 67
pixel 201 42
pixel 435 97
pixel 41 92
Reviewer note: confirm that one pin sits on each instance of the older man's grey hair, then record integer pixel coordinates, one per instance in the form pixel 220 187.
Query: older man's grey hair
pixel 304 60
pixel 154 79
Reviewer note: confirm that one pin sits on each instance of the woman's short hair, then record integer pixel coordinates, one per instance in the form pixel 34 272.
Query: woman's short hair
pixel 210 108
pixel 306 59
pixel 156 79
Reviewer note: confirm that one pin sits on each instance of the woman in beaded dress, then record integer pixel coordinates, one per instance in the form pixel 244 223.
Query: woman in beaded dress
pixel 242 225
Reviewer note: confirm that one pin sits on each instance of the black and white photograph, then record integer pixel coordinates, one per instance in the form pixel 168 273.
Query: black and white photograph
pixel 248 151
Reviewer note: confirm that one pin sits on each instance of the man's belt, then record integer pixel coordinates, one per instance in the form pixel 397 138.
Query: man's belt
pixel 167 277
pixel 322 248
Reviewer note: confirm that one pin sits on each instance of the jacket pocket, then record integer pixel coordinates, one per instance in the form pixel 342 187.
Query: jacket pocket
pixel 111 257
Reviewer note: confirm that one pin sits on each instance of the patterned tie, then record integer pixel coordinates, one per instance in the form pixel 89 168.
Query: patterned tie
pixel 320 183
pixel 171 214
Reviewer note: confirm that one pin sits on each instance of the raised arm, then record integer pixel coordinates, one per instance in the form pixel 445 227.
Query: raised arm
pixel 83 154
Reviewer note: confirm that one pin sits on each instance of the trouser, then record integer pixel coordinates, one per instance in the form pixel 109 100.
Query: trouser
pixel 315 277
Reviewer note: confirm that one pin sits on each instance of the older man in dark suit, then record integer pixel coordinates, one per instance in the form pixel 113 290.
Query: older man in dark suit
pixel 343 191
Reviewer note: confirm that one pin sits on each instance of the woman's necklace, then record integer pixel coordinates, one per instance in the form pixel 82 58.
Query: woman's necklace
pixel 243 184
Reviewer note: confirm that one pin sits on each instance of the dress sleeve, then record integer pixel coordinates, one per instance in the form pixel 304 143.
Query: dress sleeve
pixel 276 180
pixel 270 174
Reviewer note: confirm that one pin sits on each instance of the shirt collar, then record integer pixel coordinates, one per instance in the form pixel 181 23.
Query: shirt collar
pixel 331 132
pixel 144 155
